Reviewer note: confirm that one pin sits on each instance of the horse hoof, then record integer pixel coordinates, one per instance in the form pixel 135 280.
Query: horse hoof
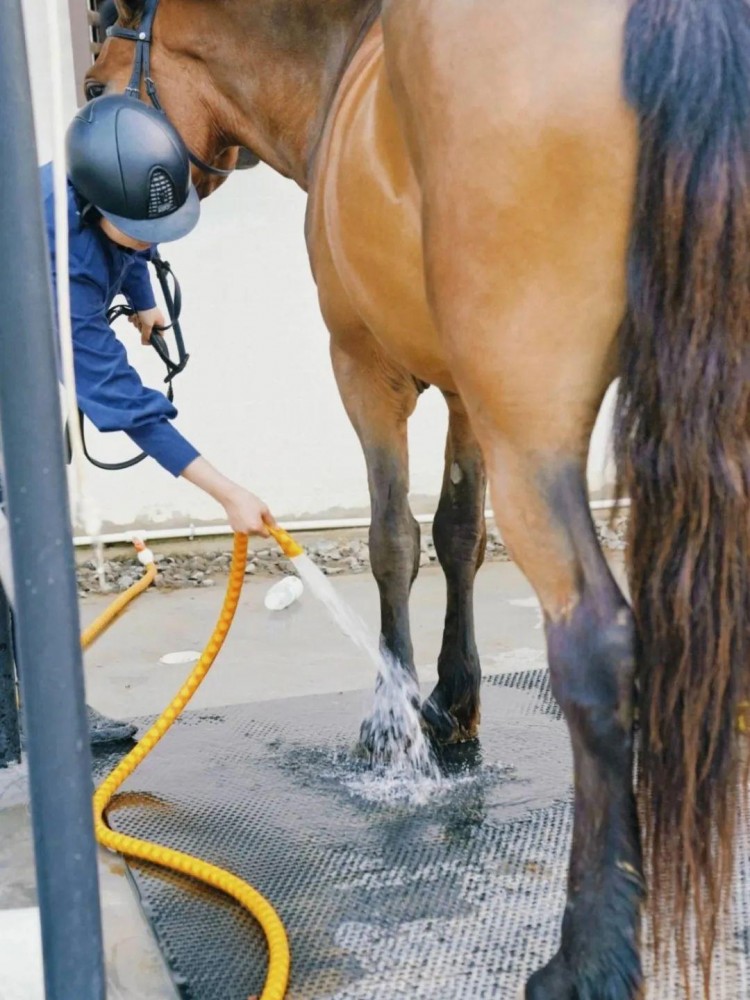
pixel 373 742
pixel 553 982
pixel 592 976
pixel 384 741
pixel 443 725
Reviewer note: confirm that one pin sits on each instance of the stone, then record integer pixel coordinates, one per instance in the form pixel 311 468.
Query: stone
pixel 326 548
pixel 333 556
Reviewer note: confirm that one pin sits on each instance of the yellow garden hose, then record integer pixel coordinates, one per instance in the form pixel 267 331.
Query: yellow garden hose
pixel 116 608
pixel 278 946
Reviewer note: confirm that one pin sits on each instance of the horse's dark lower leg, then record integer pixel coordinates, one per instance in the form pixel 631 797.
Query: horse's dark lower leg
pixel 591 648
pixel 394 548
pixel 542 507
pixel 459 531
pixel 379 398
pixel 592 668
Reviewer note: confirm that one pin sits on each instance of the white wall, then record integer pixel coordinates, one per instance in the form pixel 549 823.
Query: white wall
pixel 258 397
pixel 35 14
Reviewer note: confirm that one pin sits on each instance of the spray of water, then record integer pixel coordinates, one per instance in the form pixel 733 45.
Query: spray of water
pixel 403 764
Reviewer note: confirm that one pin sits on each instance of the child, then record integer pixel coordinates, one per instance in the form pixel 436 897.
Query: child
pixel 129 189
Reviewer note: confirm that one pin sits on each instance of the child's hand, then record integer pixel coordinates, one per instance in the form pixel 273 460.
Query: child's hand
pixel 146 320
pixel 247 513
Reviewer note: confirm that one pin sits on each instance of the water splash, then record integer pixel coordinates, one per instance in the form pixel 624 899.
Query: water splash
pixel 403 764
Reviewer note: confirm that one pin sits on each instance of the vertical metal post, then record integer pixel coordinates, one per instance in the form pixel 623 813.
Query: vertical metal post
pixel 46 610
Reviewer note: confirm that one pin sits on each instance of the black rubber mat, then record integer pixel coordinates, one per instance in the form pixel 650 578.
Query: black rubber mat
pixel 458 897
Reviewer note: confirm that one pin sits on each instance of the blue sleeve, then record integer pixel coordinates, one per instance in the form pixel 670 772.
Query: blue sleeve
pixel 110 391
pixel 136 286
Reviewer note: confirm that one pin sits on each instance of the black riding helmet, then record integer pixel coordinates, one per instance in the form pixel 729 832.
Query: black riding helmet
pixel 129 162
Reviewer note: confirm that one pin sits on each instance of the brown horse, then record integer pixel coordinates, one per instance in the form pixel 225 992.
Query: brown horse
pixel 499 209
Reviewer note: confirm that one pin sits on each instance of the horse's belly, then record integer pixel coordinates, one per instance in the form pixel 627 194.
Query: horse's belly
pixel 365 221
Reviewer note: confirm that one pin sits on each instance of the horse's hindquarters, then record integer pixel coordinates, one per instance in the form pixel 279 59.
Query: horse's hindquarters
pixel 525 154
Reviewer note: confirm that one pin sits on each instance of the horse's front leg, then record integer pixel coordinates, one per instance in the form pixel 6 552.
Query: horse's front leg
pixel 460 534
pixel 379 398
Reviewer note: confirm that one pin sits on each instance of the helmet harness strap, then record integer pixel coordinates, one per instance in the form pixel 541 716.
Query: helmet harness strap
pixel 173 302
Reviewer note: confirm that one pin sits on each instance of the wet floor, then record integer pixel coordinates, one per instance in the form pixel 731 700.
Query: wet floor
pixel 469 865
pixel 268 656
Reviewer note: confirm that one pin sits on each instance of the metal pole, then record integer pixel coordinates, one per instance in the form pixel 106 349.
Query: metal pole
pixel 46 610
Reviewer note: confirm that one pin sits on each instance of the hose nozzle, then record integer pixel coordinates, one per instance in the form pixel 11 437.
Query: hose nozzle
pixel 286 543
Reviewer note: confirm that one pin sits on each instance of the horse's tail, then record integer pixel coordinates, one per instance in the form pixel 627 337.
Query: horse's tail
pixel 683 430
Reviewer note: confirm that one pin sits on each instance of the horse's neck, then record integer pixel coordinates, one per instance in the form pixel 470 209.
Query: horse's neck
pixel 279 66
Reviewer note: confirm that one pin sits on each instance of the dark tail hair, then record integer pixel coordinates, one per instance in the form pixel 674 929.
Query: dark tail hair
pixel 683 442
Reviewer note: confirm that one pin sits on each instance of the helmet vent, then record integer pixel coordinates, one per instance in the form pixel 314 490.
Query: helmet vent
pixel 162 198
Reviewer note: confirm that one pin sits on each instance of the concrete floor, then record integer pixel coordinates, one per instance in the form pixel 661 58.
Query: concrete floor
pixel 267 655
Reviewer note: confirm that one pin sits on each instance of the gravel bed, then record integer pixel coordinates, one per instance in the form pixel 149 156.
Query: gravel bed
pixel 335 557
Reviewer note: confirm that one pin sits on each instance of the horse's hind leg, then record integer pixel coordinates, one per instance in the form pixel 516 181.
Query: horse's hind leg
pixel 459 531
pixel 540 500
pixel 525 156
pixel 591 650
pixel 534 432
pixel 379 398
